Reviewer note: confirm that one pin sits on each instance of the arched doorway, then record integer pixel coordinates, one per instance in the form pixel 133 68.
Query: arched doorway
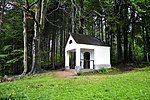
pixel 86 60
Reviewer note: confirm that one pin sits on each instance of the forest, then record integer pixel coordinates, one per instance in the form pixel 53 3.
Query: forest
pixel 33 33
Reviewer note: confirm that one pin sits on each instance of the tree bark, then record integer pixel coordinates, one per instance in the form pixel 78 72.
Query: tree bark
pixel 40 12
pixel 148 44
pixel 102 32
pixel 81 19
pixel 53 50
pixel 2 3
pixel 132 35
pixel 118 17
pixel 125 33
pixel 73 17
pixel 35 41
pixel 25 39
pixel 119 48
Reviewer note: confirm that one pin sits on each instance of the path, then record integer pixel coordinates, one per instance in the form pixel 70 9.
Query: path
pixel 65 73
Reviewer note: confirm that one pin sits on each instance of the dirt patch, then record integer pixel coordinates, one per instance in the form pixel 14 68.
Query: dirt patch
pixel 65 73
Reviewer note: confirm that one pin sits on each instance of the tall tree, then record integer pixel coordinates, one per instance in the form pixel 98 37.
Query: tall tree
pixel 125 28
pixel 117 11
pixel 40 11
pixel 25 38
pixel 2 3
pixel 36 40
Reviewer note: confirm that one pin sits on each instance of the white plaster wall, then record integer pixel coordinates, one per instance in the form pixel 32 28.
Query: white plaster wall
pixel 71 46
pixel 86 46
pixel 102 55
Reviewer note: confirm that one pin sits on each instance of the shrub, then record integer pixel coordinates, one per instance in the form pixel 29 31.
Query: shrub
pixel 104 70
pixel 80 73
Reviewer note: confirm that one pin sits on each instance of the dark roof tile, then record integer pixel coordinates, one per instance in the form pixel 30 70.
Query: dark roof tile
pixel 86 39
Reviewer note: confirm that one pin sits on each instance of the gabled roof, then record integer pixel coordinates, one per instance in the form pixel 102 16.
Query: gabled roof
pixel 86 39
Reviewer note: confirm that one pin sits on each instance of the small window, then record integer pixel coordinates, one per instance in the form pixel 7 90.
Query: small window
pixel 70 41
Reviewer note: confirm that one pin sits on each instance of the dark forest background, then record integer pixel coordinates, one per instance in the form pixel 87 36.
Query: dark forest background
pixel 33 33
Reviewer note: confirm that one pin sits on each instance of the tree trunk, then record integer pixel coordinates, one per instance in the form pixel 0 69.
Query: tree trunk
pixel 81 19
pixel 40 12
pixel 125 46
pixel 25 39
pixel 132 58
pixel 73 18
pixel 99 28
pixel 106 31
pixel 2 3
pixel 144 41
pixel 125 33
pixel 119 48
pixel 102 32
pixel 61 44
pixel 53 50
pixel 118 17
pixel 35 42
pixel 148 44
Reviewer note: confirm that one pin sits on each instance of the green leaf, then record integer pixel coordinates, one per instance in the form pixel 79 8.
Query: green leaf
pixel 12 61
pixel 7 47
pixel 2 56
pixel 138 8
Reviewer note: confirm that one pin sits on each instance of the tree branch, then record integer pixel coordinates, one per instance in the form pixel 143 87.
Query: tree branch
pixel 32 4
pixel 53 23
pixel 94 12
pixel 54 9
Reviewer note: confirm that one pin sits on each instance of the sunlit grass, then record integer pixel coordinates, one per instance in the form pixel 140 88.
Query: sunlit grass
pixel 128 86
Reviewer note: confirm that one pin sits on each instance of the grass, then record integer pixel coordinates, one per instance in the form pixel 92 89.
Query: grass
pixel 134 85
pixel 112 70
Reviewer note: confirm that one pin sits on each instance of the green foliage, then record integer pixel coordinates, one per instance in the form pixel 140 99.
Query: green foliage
pixel 3 56
pixel 11 43
pixel 142 69
pixel 12 95
pixel 7 48
pixel 98 87
pixel 104 70
pixel 99 71
pixel 12 56
pixel 83 73
pixel 9 58
pixel 142 6
pixel 138 8
pixel 139 54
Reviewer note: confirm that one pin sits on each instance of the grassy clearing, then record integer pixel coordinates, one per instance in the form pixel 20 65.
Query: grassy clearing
pixel 109 71
pixel 133 85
